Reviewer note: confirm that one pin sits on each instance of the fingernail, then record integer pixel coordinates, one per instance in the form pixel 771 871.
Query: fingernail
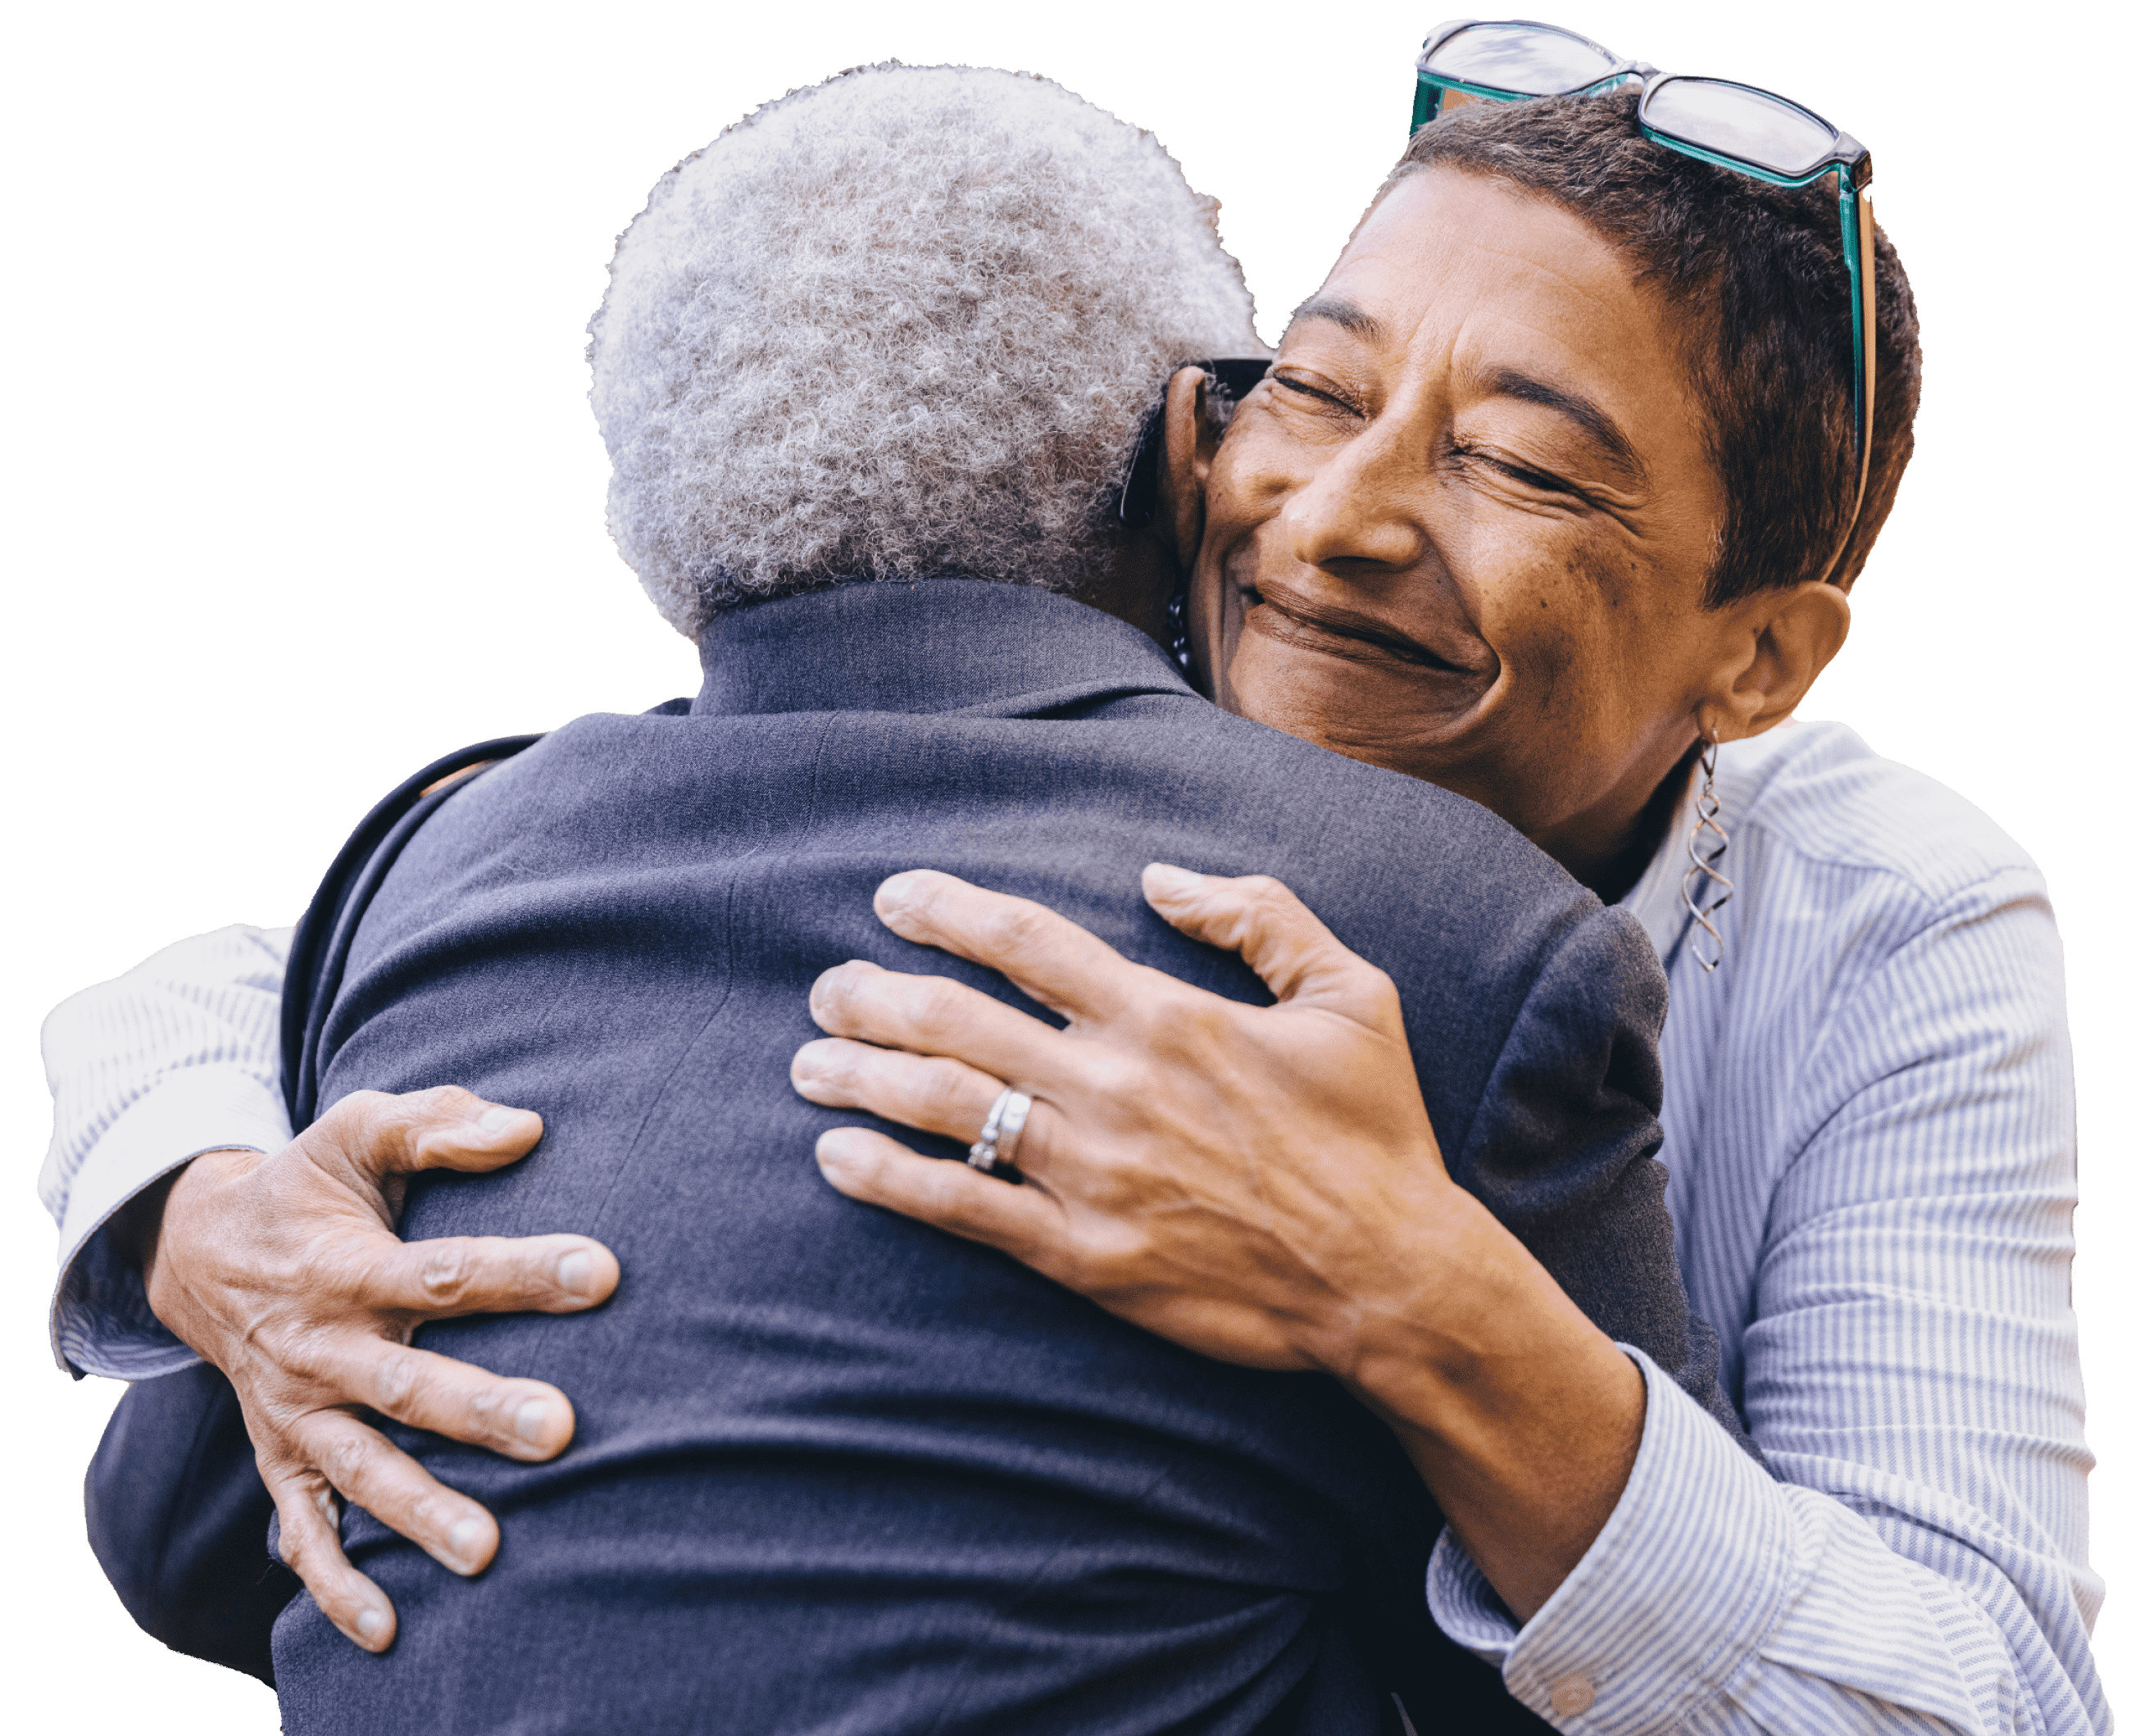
pixel 464 1535
pixel 806 1064
pixel 893 894
pixel 530 1418
pixel 835 1151
pixel 1166 877
pixel 821 990
pixel 371 1623
pixel 572 1270
pixel 498 1120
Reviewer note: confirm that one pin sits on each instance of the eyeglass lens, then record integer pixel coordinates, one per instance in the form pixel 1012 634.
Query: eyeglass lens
pixel 1733 120
pixel 1522 58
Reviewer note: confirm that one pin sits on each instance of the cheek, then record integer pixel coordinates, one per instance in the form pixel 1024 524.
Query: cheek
pixel 1608 662
pixel 1545 615
pixel 1585 667
pixel 1256 467
pixel 1632 631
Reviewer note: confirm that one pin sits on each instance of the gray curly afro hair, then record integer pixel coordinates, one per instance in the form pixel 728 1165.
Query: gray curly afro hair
pixel 905 323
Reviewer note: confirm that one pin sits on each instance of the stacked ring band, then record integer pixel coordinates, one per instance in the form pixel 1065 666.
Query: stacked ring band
pixel 997 1147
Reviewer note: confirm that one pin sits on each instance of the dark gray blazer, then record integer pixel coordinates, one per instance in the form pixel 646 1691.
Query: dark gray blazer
pixel 839 1471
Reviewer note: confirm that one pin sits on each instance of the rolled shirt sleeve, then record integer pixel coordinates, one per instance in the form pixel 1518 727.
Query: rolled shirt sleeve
pixel 1718 1599
pixel 1918 1560
pixel 180 1055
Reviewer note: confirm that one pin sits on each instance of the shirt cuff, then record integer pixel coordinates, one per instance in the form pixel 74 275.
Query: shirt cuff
pixel 1667 1609
pixel 101 1321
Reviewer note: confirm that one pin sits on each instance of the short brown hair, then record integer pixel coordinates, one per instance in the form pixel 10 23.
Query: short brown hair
pixel 1758 272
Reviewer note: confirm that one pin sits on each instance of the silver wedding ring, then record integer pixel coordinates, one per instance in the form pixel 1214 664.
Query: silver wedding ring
pixel 997 1148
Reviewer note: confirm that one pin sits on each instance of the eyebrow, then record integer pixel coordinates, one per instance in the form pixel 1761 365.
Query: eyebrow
pixel 1507 383
pixel 1349 316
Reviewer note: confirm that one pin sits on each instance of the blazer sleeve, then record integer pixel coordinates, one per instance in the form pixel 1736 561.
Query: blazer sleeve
pixel 1563 1149
pixel 179 1520
pixel 176 1510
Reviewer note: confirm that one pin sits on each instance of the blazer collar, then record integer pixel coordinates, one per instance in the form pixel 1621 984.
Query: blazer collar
pixel 929 646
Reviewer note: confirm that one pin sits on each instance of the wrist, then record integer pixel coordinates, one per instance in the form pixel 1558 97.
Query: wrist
pixel 1459 1302
pixel 160 1216
pixel 1523 1417
pixel 136 1226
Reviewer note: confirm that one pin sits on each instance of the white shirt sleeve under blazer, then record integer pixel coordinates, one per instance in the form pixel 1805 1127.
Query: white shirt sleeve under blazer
pixel 1868 1128
pixel 180 1055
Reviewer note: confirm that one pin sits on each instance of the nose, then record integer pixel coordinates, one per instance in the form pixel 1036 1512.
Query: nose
pixel 1361 510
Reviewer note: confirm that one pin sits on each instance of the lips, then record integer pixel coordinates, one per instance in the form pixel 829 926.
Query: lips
pixel 1351 634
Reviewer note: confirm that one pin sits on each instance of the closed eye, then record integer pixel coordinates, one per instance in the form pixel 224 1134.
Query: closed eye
pixel 1302 389
pixel 1544 481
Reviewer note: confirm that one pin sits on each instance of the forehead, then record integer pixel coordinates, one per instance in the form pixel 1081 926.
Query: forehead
pixel 1456 267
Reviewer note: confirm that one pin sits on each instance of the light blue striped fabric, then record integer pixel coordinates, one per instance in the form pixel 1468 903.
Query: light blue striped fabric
pixel 181 1055
pixel 1869 1125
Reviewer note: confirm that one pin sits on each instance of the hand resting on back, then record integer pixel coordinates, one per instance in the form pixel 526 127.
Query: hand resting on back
pixel 285 1272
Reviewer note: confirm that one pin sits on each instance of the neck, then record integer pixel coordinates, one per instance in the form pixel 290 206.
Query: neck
pixel 1610 859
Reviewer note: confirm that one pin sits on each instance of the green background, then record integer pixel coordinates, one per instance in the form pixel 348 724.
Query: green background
pixel 302 491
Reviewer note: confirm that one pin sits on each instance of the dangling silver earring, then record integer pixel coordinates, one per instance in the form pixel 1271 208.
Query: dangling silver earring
pixel 1702 858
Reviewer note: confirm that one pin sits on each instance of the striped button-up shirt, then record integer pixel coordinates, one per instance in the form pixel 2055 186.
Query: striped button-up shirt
pixel 1869 1129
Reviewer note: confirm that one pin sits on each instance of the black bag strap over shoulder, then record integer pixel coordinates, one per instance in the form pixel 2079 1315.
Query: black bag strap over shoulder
pixel 313 975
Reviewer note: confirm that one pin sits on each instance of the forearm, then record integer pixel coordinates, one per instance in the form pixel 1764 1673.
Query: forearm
pixel 1630 1569
pixel 1521 1416
pixel 1719 1599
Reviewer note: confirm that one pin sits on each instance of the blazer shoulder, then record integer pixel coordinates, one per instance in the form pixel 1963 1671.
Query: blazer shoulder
pixel 1399 829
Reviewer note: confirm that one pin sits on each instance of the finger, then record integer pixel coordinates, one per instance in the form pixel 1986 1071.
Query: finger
pixel 379 1133
pixel 311 1548
pixel 454 1275
pixel 452 778
pixel 525 1419
pixel 1277 935
pixel 1063 967
pixel 1025 1223
pixel 369 1471
pixel 931 1092
pixel 934 1015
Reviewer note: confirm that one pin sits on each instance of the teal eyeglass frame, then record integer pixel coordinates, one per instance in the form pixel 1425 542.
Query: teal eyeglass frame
pixel 1848 161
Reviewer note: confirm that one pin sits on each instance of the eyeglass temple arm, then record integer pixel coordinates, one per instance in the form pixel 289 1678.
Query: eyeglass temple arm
pixel 1855 209
pixel 1868 371
pixel 1425 104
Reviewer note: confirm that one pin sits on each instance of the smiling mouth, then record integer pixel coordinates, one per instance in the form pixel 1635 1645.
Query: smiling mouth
pixel 1342 633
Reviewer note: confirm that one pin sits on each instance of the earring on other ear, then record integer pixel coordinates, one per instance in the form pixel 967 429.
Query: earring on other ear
pixel 1177 628
pixel 1702 858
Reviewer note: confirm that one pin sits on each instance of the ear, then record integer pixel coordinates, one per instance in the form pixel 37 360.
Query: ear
pixel 1786 637
pixel 1191 442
